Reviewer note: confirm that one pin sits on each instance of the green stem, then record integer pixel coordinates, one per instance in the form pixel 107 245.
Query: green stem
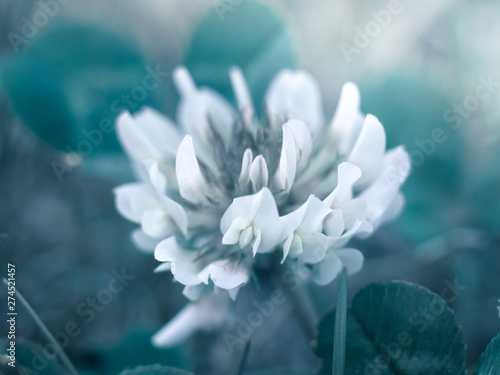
pixel 60 352
pixel 339 338
pixel 300 299
pixel 244 359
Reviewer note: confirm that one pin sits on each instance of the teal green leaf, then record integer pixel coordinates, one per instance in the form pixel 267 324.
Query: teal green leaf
pixel 76 78
pixel 489 363
pixel 155 370
pixel 412 106
pixel 247 34
pixel 396 328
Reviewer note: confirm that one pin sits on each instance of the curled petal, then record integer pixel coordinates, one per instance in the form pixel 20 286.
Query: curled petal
pixel 348 174
pixel 285 174
pixel 245 167
pixel 368 151
pixel 348 120
pixel 303 142
pixel 192 184
pixel 259 174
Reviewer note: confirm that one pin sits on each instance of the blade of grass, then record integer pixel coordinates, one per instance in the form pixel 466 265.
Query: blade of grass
pixel 339 338
pixel 60 352
pixel 244 359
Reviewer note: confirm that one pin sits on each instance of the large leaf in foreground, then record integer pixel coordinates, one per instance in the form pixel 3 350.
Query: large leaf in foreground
pixel 396 328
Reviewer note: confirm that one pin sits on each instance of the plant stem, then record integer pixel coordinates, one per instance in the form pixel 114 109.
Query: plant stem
pixel 244 359
pixel 297 293
pixel 339 338
pixel 60 352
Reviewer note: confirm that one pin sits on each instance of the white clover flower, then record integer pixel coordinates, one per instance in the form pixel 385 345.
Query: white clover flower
pixel 225 189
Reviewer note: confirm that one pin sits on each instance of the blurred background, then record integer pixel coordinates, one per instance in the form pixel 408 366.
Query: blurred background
pixel 428 70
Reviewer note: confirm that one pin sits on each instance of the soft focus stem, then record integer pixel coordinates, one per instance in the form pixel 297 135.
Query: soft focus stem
pixel 298 295
pixel 60 352
pixel 339 338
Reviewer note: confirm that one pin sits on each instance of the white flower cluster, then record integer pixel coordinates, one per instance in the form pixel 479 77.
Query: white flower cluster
pixel 224 188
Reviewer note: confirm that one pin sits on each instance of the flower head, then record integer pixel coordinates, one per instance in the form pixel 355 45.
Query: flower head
pixel 225 189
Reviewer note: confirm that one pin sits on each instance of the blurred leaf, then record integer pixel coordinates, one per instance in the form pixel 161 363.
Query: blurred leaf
pixel 243 33
pixel 70 82
pixel 136 349
pixel 282 371
pixel 489 363
pixel 155 370
pixel 411 105
pixel 35 358
pixel 396 328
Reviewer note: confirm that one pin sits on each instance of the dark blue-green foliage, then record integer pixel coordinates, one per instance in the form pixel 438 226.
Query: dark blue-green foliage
pixel 247 34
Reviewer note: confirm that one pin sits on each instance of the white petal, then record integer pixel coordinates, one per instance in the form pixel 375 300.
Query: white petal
pixel 228 275
pixel 259 174
pixel 159 129
pixel 246 163
pixel 285 174
pixel 156 223
pixel 240 88
pixel 286 247
pixel 209 313
pixel 132 200
pixel 259 209
pixel 183 82
pixel 351 258
pixel 144 242
pixel 232 235
pixel 314 248
pixel 382 193
pixel 156 139
pixel 348 174
pixel 327 270
pixel 334 223
pixel 192 185
pixel 246 237
pixel 156 177
pixel 165 266
pixel 169 250
pixel 175 210
pixel 348 120
pixel 315 214
pixel 368 151
pixel 258 240
pixel 361 226
pixel 303 142
pixel 296 94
